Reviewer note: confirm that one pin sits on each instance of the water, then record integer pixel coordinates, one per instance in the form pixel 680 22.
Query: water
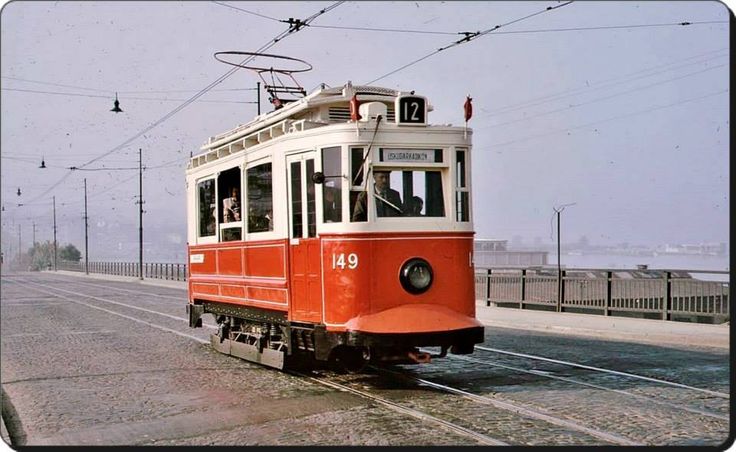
pixel 660 261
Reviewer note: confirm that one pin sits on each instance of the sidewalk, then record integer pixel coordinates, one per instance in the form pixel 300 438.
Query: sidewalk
pixel 610 328
pixel 585 325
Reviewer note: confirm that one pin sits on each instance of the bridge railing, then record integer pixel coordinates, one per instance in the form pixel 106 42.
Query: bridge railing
pixel 151 270
pixel 696 295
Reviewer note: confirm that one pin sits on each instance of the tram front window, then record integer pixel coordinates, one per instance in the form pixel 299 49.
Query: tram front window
pixel 402 193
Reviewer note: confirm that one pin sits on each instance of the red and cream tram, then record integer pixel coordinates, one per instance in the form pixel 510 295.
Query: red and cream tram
pixel 334 230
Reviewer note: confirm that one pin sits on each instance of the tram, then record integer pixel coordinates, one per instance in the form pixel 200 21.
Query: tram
pixel 336 228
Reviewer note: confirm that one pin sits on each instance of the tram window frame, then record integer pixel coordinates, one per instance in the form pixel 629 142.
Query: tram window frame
pixel 227 180
pixel 332 211
pixel 462 185
pixel 203 229
pixel 357 176
pixel 261 213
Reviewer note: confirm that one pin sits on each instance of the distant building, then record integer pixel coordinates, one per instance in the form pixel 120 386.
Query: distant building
pixel 495 253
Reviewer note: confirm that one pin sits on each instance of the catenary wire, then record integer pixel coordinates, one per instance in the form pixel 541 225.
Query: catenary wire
pixel 219 80
pixel 468 37
pixel 129 98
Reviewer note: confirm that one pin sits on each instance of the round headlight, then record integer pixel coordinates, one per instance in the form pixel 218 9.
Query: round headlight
pixel 416 276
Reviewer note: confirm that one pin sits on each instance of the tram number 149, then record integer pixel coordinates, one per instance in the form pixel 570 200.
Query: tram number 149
pixel 341 262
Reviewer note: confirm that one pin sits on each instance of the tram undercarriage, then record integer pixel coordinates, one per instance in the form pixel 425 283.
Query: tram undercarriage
pixel 267 338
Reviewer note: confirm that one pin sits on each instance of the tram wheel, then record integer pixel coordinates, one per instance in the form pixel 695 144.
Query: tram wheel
pixel 346 359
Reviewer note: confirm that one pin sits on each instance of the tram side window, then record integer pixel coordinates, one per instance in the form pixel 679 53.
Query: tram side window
pixel 420 194
pixel 260 198
pixel 228 185
pixel 357 190
pixel 462 194
pixel 207 208
pixel 332 188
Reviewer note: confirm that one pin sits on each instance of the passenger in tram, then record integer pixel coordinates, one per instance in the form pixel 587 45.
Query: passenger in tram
pixel 415 207
pixel 388 200
pixel 332 204
pixel 231 207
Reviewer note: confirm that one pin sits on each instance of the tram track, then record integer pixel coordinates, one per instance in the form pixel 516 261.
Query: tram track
pixel 514 407
pixel 643 398
pixel 609 371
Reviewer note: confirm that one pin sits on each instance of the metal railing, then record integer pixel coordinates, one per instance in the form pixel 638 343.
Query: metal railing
pixel 151 270
pixel 664 294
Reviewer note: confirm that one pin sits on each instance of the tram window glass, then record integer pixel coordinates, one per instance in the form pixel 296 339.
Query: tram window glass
pixel 311 201
pixel 296 199
pixel 462 195
pixel 420 194
pixel 207 208
pixel 228 186
pixel 357 191
pixel 332 188
pixel 260 198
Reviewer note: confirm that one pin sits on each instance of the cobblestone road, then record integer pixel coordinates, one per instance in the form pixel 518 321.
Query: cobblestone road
pixel 118 365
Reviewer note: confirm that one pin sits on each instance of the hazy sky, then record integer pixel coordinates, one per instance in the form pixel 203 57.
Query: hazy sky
pixel 626 116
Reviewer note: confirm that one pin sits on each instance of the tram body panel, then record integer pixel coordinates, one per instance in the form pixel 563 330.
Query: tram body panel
pixel 252 274
pixel 372 285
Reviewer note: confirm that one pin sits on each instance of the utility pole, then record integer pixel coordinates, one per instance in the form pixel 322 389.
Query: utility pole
pixel 140 214
pixel 20 250
pixel 34 234
pixel 560 282
pixel 54 198
pixel 86 227
pixel 258 96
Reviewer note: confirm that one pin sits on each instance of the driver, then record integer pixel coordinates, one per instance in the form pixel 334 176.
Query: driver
pixel 388 200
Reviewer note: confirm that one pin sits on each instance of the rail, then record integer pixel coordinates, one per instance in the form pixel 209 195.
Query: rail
pixel 151 270
pixel 663 294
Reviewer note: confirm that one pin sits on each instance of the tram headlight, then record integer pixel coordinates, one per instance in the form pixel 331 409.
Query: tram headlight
pixel 416 276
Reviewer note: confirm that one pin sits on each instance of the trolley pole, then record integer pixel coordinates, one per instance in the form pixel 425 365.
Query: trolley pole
pixel 54 198
pixel 140 214
pixel 86 233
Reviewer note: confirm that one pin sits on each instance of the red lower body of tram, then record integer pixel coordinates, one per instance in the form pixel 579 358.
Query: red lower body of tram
pixel 350 298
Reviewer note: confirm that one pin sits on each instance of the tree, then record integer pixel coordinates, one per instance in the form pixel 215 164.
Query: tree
pixel 41 255
pixel 70 253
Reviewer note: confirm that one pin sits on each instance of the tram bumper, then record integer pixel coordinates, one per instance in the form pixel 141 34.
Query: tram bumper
pixel 407 327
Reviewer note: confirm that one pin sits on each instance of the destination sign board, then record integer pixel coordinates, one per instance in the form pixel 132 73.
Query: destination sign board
pixel 410 155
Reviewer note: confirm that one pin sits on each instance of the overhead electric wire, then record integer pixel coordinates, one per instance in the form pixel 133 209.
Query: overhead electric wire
pixel 219 80
pixel 469 37
pixel 547 30
pixel 599 99
pixel 129 98
pixel 602 84
pixel 110 92
pixel 660 107
pixel 246 11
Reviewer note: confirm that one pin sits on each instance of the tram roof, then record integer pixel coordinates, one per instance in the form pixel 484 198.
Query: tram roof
pixel 293 116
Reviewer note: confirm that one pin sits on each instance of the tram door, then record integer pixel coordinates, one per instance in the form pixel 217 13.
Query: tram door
pixel 306 291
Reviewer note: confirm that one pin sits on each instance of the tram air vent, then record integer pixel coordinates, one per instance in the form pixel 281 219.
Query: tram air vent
pixel 342 114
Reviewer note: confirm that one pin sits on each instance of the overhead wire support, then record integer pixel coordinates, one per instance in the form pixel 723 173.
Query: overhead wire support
pixel 188 101
pixel 469 36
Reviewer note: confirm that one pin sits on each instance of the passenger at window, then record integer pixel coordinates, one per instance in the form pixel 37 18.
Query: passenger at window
pixel 415 207
pixel 332 204
pixel 231 207
pixel 388 200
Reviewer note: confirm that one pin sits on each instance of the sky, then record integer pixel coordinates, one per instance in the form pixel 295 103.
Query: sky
pixel 612 109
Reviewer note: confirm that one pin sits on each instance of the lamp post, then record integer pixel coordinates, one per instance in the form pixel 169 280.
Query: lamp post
pixel 560 283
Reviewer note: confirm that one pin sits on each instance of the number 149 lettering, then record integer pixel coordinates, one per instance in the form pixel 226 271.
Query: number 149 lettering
pixel 339 261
